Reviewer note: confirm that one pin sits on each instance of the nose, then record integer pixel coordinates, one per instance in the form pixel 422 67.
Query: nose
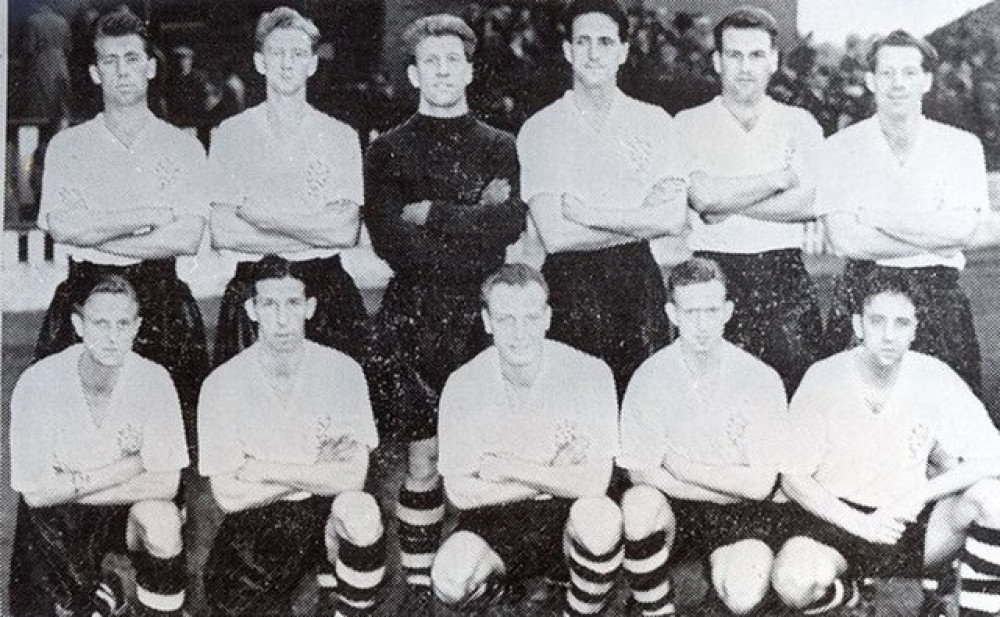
pixel 282 316
pixel 119 67
pixel 591 51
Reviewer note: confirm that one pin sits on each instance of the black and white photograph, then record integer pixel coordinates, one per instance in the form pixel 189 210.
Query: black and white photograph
pixel 417 308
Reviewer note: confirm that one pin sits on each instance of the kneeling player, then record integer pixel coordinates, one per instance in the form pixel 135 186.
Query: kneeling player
pixel 527 435
pixel 698 423
pixel 285 430
pixel 97 445
pixel 872 423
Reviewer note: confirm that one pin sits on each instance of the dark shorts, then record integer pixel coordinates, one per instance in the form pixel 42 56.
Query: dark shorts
pixel 338 322
pixel 528 535
pixel 172 333
pixel 71 541
pixel 420 335
pixel 703 526
pixel 867 559
pixel 609 303
pixel 945 329
pixel 777 317
pixel 260 555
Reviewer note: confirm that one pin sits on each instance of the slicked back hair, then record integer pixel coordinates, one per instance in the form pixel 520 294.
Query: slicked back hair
pixel 513 275
pixel 287 19
pixel 442 24
pixel 902 38
pixel 611 8
pixel 746 18
pixel 693 271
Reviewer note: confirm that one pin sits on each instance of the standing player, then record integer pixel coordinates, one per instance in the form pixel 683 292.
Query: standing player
pixel 751 188
pixel 441 205
pixel 287 180
pixel 123 193
pixel 904 193
pixel 602 175
pixel 698 422
pixel 286 429
pixel 527 439
pixel 97 445
pixel 873 421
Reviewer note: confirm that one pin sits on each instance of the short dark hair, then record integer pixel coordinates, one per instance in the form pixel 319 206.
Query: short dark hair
pixel 114 284
pixel 902 38
pixel 284 18
pixel 693 271
pixel 120 22
pixel 275 267
pixel 746 18
pixel 441 24
pixel 513 275
pixel 611 8
pixel 885 281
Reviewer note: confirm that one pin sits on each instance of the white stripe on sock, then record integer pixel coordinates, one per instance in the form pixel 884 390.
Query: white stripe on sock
pixel 159 601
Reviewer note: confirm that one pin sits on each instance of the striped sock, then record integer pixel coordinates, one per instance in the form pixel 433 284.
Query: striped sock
pixel 591 579
pixel 421 519
pixel 839 593
pixel 159 584
pixel 980 573
pixel 360 572
pixel 646 571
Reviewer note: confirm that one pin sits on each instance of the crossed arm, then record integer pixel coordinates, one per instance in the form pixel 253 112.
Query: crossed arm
pixel 122 482
pixel 144 233
pixel 684 479
pixel 253 228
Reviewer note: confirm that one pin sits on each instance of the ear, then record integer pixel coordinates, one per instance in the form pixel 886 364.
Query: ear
pixel 547 320
pixel 313 65
pixel 717 62
pixel 870 81
pixel 413 75
pixel 251 310
pixel 485 314
pixel 95 75
pixel 259 63
pixel 928 82
pixel 623 55
pixel 672 312
pixel 310 307
pixel 77 323
pixel 151 68
pixel 858 330
pixel 728 310
pixel 470 73
pixel 568 51
pixel 774 61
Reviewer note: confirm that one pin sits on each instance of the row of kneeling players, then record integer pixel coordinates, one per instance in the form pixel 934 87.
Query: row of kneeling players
pixel 444 197
pixel 884 464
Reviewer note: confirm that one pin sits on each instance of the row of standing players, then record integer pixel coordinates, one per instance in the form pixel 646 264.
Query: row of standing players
pixel 600 173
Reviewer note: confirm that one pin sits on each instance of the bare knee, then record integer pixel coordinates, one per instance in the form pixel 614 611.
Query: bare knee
pixel 422 468
pixel 741 574
pixel 462 564
pixel 984 498
pixel 803 571
pixel 645 511
pixel 158 524
pixel 596 523
pixel 356 518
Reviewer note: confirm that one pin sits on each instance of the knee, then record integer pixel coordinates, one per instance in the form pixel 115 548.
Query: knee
pixel 159 525
pixel 457 566
pixel 742 575
pixel 596 523
pixel 801 575
pixel 356 518
pixel 422 461
pixel 645 511
pixel 984 498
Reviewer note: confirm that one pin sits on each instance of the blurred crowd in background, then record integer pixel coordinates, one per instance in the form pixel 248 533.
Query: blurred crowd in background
pixel 519 69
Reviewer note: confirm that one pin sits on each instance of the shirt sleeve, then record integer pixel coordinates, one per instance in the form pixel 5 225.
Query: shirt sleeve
pixel 970 184
pixel 57 178
pixel 966 430
pixel 603 403
pixel 808 149
pixel 687 138
pixel 219 451
pixel 829 175
pixel 164 447
pixel 674 159
pixel 30 438
pixel 803 449
pixel 457 453
pixel 222 171
pixel 539 164
pixel 357 405
pixel 771 424
pixel 189 195
pixel 643 439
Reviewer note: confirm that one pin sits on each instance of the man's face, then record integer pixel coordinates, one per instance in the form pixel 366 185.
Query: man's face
pixel 886 327
pixel 595 51
pixel 745 63
pixel 286 60
pixel 899 82
pixel 700 312
pixel 518 318
pixel 280 308
pixel 122 69
pixel 108 324
pixel 441 72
